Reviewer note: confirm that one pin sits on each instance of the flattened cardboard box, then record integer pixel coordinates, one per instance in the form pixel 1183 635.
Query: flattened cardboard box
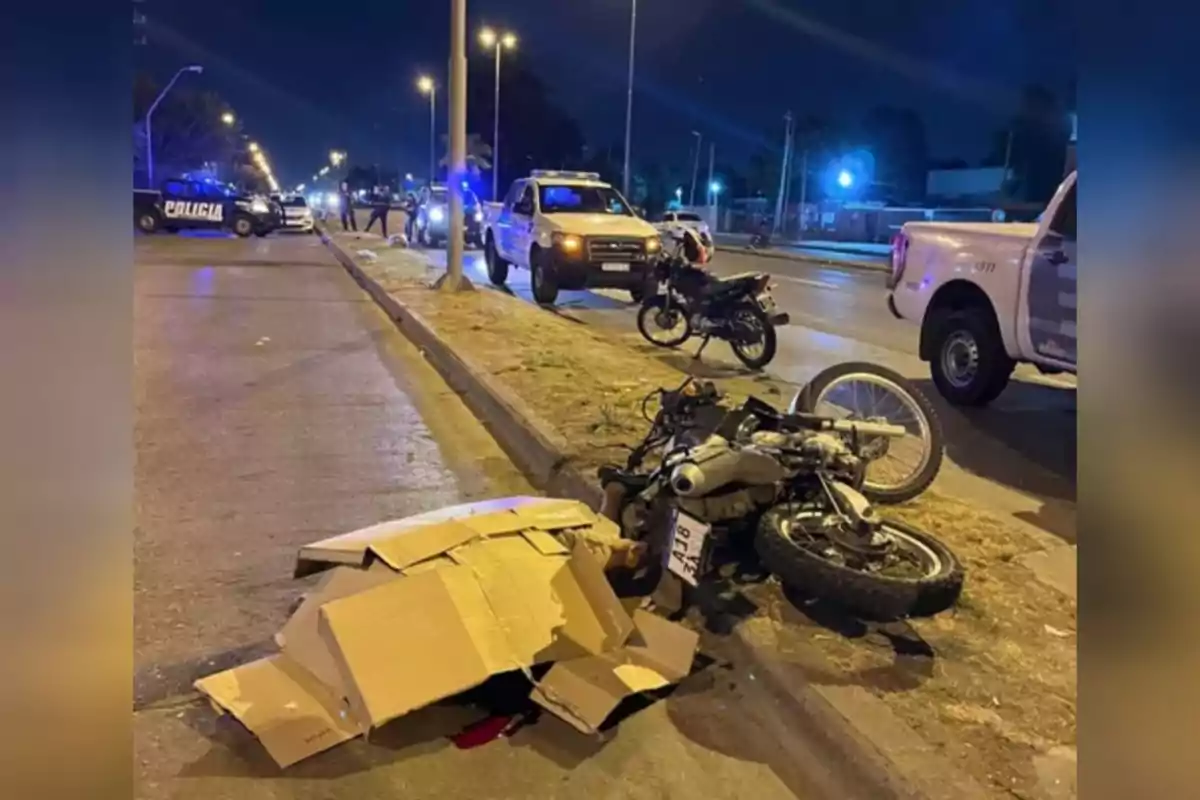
pixel 413 611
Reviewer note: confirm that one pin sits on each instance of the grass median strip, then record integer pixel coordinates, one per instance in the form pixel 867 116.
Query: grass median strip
pixel 991 683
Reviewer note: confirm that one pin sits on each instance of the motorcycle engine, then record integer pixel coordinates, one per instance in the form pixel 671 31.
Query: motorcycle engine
pixel 731 505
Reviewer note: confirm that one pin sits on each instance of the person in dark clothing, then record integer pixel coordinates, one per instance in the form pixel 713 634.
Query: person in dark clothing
pixel 346 204
pixel 380 208
pixel 410 216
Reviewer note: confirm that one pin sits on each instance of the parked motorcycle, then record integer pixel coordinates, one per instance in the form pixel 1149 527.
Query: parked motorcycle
pixel 795 482
pixel 692 302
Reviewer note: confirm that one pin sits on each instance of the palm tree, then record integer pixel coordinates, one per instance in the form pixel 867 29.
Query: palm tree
pixel 479 154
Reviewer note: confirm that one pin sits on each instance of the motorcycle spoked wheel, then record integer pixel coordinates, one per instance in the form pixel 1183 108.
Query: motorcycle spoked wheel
pixel 753 341
pixel 790 543
pixel 823 390
pixel 654 316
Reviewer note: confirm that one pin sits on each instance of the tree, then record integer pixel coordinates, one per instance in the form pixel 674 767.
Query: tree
pixel 1034 145
pixel 187 131
pixel 896 139
pixel 535 132
pixel 479 154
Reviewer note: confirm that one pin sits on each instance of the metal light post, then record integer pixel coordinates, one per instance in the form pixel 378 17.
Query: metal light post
pixel 149 144
pixel 426 85
pixel 453 280
pixel 695 169
pixel 629 99
pixel 505 41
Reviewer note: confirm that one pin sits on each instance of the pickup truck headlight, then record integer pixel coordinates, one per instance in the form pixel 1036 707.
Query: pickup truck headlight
pixel 653 244
pixel 569 243
pixel 259 207
pixel 436 214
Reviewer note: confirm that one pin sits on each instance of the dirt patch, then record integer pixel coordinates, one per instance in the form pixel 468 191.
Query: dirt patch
pixel 991 683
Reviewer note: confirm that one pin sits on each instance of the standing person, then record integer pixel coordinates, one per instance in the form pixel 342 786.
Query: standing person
pixel 346 204
pixel 379 209
pixel 410 212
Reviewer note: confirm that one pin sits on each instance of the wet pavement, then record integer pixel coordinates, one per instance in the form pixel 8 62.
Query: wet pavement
pixel 1016 457
pixel 276 404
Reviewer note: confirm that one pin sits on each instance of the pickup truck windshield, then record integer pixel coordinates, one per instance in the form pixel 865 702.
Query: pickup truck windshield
pixel 581 200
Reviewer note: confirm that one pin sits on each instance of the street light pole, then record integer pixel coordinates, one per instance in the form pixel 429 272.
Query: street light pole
pixel 432 133
pixel 453 278
pixel 149 144
pixel 491 39
pixel 629 100
pixel 695 169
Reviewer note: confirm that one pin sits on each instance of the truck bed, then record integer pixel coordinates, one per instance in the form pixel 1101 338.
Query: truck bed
pixel 1015 230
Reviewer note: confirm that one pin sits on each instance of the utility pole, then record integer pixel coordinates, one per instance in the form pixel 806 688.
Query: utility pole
pixel 453 280
pixel 629 101
pixel 712 196
pixel 783 170
pixel 803 190
pixel 695 170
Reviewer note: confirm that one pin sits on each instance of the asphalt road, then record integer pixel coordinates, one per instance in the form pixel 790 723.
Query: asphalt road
pixel 276 404
pixel 1017 456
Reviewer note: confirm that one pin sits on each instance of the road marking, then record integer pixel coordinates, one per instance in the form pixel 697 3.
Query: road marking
pixel 806 281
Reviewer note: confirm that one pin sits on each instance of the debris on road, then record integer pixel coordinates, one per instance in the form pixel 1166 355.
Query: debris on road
pixel 416 610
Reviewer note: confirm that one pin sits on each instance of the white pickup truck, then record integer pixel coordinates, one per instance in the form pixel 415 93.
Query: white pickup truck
pixel 571 231
pixel 990 295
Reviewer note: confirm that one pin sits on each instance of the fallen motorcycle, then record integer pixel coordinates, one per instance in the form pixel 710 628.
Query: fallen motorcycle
pixel 691 302
pixel 795 482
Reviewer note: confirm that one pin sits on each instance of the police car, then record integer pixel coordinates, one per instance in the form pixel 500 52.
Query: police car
pixel 184 204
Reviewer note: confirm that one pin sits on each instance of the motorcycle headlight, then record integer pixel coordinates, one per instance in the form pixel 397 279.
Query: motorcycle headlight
pixel 436 214
pixel 479 216
pixel 259 206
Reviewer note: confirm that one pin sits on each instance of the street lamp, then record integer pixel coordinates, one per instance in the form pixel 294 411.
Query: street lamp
pixel 845 179
pixel 629 99
pixel 336 157
pixel 425 85
pixel 228 118
pixel 695 169
pixel 149 144
pixel 505 41
pixel 254 147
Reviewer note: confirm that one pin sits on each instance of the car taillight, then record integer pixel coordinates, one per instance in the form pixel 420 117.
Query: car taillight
pixel 899 255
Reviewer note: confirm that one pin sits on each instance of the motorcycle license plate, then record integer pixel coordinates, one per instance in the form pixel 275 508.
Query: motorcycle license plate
pixel 767 302
pixel 685 551
pixel 615 267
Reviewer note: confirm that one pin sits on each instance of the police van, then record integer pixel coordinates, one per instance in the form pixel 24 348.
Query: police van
pixel 183 204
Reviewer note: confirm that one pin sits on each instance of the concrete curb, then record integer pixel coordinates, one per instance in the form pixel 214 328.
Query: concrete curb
pixel 852 731
pixel 814 259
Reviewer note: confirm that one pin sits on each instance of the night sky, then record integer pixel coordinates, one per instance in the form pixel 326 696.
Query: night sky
pixel 307 77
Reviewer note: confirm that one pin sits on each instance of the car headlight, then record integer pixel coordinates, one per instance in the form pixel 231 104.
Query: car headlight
pixel 653 244
pixel 259 206
pixel 569 243
pixel 333 201
pixel 479 216
pixel 436 214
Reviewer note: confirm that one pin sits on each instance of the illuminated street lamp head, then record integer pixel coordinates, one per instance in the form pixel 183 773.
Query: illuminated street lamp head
pixel 195 68
pixel 845 179
pixel 227 118
pixel 509 40
pixel 254 147
pixel 425 84
pixel 715 187
pixel 336 157
pixel 487 37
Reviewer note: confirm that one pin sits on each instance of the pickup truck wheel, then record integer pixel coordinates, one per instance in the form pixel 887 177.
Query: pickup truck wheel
pixel 970 366
pixel 497 267
pixel 545 290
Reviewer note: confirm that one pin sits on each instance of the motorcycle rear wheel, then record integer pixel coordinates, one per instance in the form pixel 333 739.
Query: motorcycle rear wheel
pixel 870 595
pixel 652 315
pixel 770 342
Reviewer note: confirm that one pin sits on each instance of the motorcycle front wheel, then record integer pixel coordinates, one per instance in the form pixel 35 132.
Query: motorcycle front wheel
pixel 758 353
pixel 923 577
pixel 861 390
pixel 663 326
